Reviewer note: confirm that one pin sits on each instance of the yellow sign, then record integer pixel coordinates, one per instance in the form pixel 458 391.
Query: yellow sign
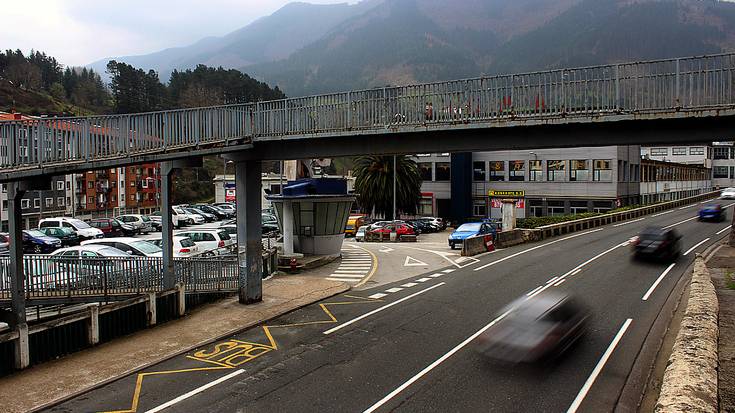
pixel 506 194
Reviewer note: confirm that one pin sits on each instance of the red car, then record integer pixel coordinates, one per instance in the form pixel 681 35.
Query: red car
pixel 401 229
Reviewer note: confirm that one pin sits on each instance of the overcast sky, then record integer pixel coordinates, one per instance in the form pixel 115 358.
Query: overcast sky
pixel 78 32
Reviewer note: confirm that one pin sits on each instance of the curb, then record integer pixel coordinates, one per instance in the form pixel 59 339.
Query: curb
pixel 690 380
pixel 344 288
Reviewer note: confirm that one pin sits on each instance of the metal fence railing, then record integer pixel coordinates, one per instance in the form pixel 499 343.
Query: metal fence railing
pixel 669 85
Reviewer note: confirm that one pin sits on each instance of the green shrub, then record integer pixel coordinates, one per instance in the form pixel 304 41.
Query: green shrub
pixel 535 222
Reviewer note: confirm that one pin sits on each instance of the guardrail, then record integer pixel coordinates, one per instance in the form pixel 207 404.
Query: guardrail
pixel 552 230
pixel 670 85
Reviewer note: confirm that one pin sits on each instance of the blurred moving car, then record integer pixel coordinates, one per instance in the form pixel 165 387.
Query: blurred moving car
pixel 211 241
pixel 67 236
pixel 712 212
pixel 131 246
pixel 469 229
pixel 353 223
pixel 657 243
pixel 111 227
pixel 83 230
pixel 36 242
pixel 140 223
pixel 727 193
pixel 360 234
pixel 182 246
pixel 535 329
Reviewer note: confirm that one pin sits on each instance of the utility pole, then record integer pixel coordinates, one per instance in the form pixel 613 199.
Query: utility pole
pixel 395 177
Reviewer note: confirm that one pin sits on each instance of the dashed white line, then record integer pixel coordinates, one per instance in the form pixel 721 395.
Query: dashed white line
pixel 340 271
pixel 436 275
pixel 658 280
pixel 723 230
pixel 447 271
pixel 409 285
pixel 377 295
pixel 552 280
pixel 394 290
pixel 575 272
pixel 560 282
pixel 662 213
pixel 423 280
pixel 629 222
pixel 598 368
pixel 679 223
pixel 530 293
pixel 195 391
pixel 385 307
pixel 685 207
pixel 696 245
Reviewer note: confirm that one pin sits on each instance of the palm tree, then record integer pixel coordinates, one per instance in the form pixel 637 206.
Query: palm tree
pixel 374 184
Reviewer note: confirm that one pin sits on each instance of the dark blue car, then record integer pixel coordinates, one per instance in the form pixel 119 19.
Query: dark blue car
pixel 469 229
pixel 712 212
pixel 36 242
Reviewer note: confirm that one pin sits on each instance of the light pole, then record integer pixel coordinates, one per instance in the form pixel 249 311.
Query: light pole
pixel 395 177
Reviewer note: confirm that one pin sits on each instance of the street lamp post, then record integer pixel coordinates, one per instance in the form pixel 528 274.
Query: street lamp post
pixel 395 175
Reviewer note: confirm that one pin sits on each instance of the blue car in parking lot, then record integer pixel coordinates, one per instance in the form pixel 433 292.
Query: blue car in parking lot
pixel 470 229
pixel 712 212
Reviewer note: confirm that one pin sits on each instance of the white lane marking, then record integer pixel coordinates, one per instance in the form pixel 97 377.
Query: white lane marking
pixel 576 271
pixel 394 290
pixel 357 260
pixel 679 223
pixel 696 245
pixel 530 293
pixel 423 280
pixel 535 248
pixel 552 280
pixel 629 222
pixel 195 391
pixel 704 202
pixel 386 249
pixel 413 262
pixel 662 213
pixel 341 271
pixel 347 266
pixel 408 285
pixel 448 270
pixel 342 279
pixel 685 207
pixel 560 282
pixel 723 230
pixel 598 368
pixel 433 365
pixel 658 280
pixel 347 275
pixel 436 275
pixel 385 307
pixel 377 295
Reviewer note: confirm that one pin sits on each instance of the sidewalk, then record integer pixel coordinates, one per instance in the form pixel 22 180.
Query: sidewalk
pixel 722 270
pixel 49 382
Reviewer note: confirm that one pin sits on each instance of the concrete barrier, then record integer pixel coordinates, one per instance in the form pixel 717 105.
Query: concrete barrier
pixel 510 238
pixel 690 380
pixel 477 245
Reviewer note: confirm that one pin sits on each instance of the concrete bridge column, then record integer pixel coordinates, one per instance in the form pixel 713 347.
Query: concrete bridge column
pixel 16 190
pixel 249 232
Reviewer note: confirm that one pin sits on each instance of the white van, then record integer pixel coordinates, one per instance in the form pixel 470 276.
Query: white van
pixel 83 230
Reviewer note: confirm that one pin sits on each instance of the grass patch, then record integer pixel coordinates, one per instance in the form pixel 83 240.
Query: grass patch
pixel 729 282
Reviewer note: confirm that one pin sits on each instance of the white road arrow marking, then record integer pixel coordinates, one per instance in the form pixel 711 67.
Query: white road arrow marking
pixel 386 249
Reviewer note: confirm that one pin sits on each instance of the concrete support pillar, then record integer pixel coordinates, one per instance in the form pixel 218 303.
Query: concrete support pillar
pixel 287 228
pixel 249 233
pixel 17 278
pixel 150 308
pixel 93 325
pixel 509 214
pixel 167 227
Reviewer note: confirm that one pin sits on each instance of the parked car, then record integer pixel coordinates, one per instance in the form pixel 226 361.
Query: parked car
pixel 265 227
pixel 438 222
pixel 83 230
pixel 157 220
pixel 657 243
pixel 132 246
pixel 360 234
pixel 467 230
pixel 112 227
pixel 535 329
pixel 218 213
pixel 231 230
pixel 712 212
pixel 36 242
pixel 422 227
pixel 211 241
pixel 400 229
pixel 229 213
pixel 141 223
pixel 353 223
pixel 378 224
pixel 67 236
pixel 228 207
pixel 85 266
pixel 207 216
pixel 187 217
pixel 182 246
pixel 727 193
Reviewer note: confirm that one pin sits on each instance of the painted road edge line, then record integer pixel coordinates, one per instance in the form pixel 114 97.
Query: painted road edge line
pixel 629 222
pixel 696 245
pixel 431 366
pixel 195 391
pixel 680 222
pixel 598 368
pixel 379 309
pixel 658 280
pixel 723 230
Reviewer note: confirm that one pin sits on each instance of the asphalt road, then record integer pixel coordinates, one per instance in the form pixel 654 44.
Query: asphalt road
pixel 407 346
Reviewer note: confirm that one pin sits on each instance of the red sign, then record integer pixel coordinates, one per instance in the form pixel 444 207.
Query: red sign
pixel 496 203
pixel 229 195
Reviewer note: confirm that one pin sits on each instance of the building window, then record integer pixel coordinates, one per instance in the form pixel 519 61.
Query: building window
pixel 497 171
pixel 5 204
pixel 659 151
pixel 68 200
pixel 696 150
pixel 132 184
pixel 681 150
pixel 535 171
pixel 144 183
pixel 719 172
pixel 578 207
pixel 90 184
pixel 122 184
pixel 425 171
pixel 114 198
pixel 443 171
pixel 721 153
pixel 517 170
pixel 578 170
pixel 426 207
pixel 49 202
pixel 90 200
pixel 555 170
pixel 601 206
pixel 36 202
pixel 602 171
pixel 132 197
pixel 479 208
pixel 555 208
pixel 25 203
pixel 423 155
pixel 5 188
pixel 59 185
pixel 535 208
pixel 60 201
pixel 478 171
